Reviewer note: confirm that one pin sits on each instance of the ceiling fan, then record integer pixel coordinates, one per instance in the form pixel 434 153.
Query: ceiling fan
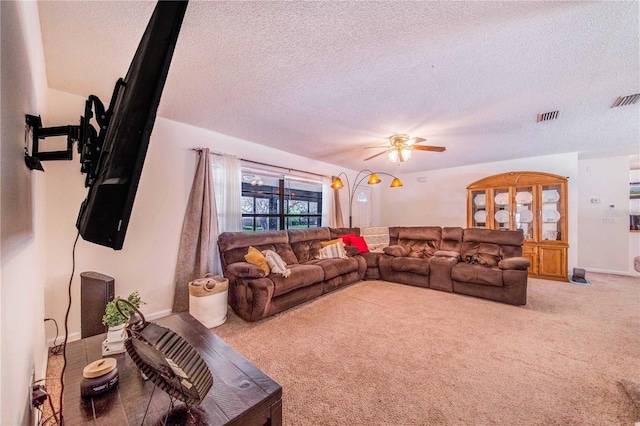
pixel 402 145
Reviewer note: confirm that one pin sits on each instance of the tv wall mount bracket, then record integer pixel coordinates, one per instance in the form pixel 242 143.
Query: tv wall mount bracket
pixel 89 140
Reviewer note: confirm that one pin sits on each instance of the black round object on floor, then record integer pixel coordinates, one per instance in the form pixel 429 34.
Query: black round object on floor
pixel 99 385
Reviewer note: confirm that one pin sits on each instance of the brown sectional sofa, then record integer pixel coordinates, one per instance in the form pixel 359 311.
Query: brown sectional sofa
pixel 476 262
pixel 254 295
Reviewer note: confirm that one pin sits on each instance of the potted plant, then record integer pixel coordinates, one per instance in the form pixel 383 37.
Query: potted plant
pixel 115 321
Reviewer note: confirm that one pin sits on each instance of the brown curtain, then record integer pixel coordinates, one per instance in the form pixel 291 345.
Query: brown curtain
pixel 337 207
pixel 200 224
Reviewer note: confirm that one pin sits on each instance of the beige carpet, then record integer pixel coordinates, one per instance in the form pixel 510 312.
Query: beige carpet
pixel 380 353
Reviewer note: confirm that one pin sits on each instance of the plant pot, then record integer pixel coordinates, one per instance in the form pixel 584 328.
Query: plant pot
pixel 114 343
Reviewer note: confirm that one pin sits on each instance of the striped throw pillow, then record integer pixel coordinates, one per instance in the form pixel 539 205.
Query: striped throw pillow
pixel 276 263
pixel 333 251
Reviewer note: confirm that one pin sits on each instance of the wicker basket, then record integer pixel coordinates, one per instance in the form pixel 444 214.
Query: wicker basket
pixel 208 299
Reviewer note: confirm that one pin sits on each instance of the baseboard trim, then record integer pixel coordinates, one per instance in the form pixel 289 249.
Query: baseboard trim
pixel 72 337
pixel 159 314
pixel 606 271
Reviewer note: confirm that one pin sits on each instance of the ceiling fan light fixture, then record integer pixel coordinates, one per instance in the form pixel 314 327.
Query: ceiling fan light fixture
pixel 337 184
pixel 405 154
pixel 395 183
pixel 392 155
pixel 373 179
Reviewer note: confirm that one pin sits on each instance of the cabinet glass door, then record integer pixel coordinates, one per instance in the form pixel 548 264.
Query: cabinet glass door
pixel 479 209
pixel 524 211
pixel 551 216
pixel 501 212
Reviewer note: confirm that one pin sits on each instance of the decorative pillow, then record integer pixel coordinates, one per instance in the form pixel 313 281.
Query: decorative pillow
pixel 333 251
pixel 328 243
pixel 360 243
pixel 346 238
pixel 396 251
pixel 276 263
pixel 256 258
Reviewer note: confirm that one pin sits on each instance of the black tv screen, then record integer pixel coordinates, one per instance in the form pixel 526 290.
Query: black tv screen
pixel 104 214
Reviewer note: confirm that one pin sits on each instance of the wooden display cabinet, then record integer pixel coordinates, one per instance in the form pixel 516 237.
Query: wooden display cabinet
pixel 533 202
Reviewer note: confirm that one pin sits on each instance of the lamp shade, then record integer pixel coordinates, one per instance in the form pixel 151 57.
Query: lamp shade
pixel 337 184
pixel 395 183
pixel 373 179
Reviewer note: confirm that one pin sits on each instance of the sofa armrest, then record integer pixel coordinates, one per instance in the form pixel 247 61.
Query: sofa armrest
pixel 245 270
pixel 521 263
pixel 447 253
pixel 396 251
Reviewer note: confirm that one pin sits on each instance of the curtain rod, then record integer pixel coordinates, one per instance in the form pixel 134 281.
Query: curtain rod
pixel 262 164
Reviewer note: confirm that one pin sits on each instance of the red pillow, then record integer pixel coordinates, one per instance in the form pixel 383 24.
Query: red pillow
pixel 360 243
pixel 345 238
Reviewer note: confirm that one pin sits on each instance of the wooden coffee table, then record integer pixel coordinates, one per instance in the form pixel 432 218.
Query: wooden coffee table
pixel 241 393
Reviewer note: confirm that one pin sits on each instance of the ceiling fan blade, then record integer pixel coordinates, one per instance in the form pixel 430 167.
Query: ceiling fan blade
pixel 414 141
pixel 374 156
pixel 429 148
pixel 386 145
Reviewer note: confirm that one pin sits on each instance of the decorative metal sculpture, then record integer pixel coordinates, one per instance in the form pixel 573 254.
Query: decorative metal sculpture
pixel 166 358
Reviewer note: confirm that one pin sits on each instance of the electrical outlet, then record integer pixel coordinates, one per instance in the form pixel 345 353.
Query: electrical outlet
pixel 608 219
pixel 596 201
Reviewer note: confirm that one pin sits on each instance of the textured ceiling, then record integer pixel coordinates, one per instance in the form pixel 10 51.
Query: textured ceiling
pixel 326 79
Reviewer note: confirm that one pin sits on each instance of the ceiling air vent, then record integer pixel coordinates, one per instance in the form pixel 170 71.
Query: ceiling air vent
pixel 548 116
pixel 626 100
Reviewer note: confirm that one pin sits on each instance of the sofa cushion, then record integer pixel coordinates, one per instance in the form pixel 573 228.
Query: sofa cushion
pixel 396 251
pixel 306 243
pixel 339 232
pixel 483 259
pixel 451 238
pixel 408 264
pixel 520 263
pixel 477 274
pixel 335 267
pixel 246 270
pixel 371 259
pixel 351 250
pixel 255 257
pixel 487 254
pixel 301 276
pixel 234 245
pixel 421 249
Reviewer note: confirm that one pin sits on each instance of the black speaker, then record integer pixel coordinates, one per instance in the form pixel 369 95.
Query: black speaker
pixel 96 290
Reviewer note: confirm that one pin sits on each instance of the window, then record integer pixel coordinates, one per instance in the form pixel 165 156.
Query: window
pixel 272 202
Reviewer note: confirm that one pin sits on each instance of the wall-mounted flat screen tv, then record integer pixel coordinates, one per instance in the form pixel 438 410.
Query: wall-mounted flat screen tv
pixel 104 214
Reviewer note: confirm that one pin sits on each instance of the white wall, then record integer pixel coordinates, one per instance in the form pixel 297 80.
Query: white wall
pixel 634 237
pixel 148 260
pixel 441 200
pixel 22 344
pixel 603 230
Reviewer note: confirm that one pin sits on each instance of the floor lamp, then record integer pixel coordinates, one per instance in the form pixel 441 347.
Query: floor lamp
pixel 373 180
